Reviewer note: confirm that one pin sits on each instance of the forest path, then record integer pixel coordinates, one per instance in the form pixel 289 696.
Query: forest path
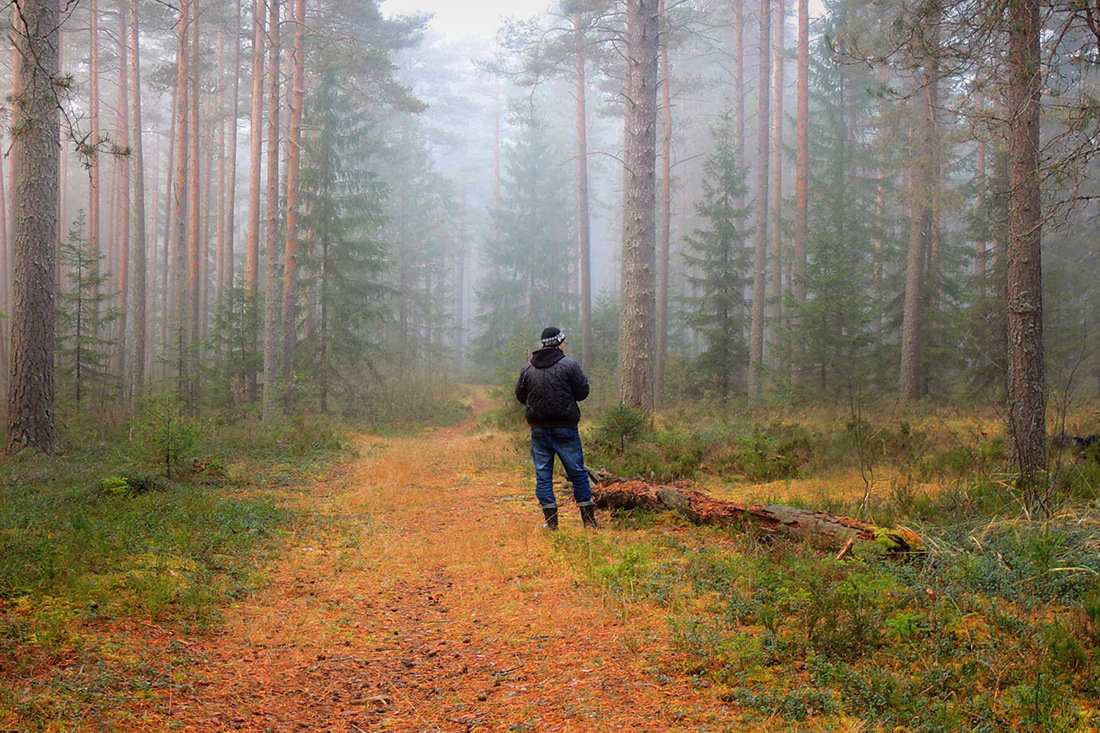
pixel 446 608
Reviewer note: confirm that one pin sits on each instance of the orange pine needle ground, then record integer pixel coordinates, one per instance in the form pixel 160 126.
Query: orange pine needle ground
pixel 447 609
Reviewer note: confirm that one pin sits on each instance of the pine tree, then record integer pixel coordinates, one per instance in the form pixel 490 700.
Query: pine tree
pixel 344 260
pixel 530 263
pixel 719 253
pixel 84 311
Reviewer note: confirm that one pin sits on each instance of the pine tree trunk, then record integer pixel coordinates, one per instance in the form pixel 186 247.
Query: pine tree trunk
pixel 222 121
pixel 35 162
pixel 739 83
pixel 252 259
pixel 293 167
pixel 123 163
pixel 778 256
pixel 921 186
pixel 5 282
pixel 1026 377
pixel 230 201
pixel 178 334
pixel 760 249
pixel 137 380
pixel 195 245
pixel 665 229
pixel 584 225
pixel 271 279
pixel 94 138
pixel 167 251
pixel 636 345
pixel 802 175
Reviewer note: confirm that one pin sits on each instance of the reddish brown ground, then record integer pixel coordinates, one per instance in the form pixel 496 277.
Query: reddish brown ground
pixel 446 609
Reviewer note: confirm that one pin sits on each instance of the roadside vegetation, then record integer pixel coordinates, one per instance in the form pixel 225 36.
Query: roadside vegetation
pixel 995 628
pixel 156 524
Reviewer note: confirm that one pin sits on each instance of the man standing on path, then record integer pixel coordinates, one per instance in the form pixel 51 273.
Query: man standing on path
pixel 550 386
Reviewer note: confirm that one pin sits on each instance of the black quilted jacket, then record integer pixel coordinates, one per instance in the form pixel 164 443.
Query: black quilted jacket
pixel 551 385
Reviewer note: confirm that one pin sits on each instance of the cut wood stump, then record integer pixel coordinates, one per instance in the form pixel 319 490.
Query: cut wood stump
pixel 820 529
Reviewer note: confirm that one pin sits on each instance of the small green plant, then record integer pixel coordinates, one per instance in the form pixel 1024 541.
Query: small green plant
pixel 168 436
pixel 622 424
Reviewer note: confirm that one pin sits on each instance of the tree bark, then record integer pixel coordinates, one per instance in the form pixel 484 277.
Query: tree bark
pixel 271 279
pixel 802 174
pixel 760 249
pixel 1026 376
pixel 123 163
pixel 820 529
pixel 739 82
pixel 231 174
pixel 252 258
pixel 636 345
pixel 93 139
pixel 195 242
pixel 584 225
pixel 921 185
pixel 778 23
pixel 664 234
pixel 137 380
pixel 179 200
pixel 293 167
pixel 35 162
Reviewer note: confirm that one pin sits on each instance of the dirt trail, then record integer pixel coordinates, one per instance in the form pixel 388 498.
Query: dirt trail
pixel 448 609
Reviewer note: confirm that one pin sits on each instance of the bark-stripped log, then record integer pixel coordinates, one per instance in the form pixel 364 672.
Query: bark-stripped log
pixel 818 528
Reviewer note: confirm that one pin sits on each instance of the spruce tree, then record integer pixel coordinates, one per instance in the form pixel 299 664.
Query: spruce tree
pixel 531 265
pixel 344 260
pixel 719 261
pixel 84 311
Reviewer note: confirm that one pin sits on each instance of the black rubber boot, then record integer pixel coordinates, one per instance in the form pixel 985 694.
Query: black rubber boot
pixel 588 516
pixel 551 515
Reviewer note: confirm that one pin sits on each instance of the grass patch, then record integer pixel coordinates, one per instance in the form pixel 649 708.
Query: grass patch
pixel 99 536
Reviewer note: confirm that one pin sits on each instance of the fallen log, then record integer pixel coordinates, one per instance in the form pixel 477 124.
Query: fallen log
pixel 820 529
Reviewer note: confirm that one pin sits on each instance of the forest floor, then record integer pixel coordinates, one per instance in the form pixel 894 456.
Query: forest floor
pixel 433 601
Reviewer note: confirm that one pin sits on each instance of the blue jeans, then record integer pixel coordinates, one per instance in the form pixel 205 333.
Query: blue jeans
pixel 565 443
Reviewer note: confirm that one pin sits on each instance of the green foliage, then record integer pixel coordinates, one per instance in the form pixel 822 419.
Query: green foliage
pixel 84 316
pixel 343 257
pixel 167 435
pixel 529 278
pixel 622 424
pixel 719 251
pixel 952 640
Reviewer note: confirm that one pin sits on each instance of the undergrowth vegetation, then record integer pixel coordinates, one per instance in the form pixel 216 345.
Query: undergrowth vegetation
pixel 996 627
pixel 160 521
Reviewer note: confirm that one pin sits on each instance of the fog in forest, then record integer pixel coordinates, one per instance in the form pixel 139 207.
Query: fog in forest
pixel 363 205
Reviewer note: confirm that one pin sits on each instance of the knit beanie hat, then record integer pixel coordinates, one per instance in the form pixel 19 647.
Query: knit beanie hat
pixel 552 336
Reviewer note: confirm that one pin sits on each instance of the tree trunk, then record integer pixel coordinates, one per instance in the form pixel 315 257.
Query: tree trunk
pixel 5 282
pixel 802 174
pixel 35 162
pixel 252 259
pixel 665 229
pixel 179 201
pixel 778 23
pixel 820 529
pixel 195 243
pixel 921 185
pixel 739 83
pixel 639 226
pixel 137 380
pixel 1026 377
pixel 293 167
pixel 584 225
pixel 760 249
pixel 93 140
pixel 271 279
pixel 231 174
pixel 123 163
